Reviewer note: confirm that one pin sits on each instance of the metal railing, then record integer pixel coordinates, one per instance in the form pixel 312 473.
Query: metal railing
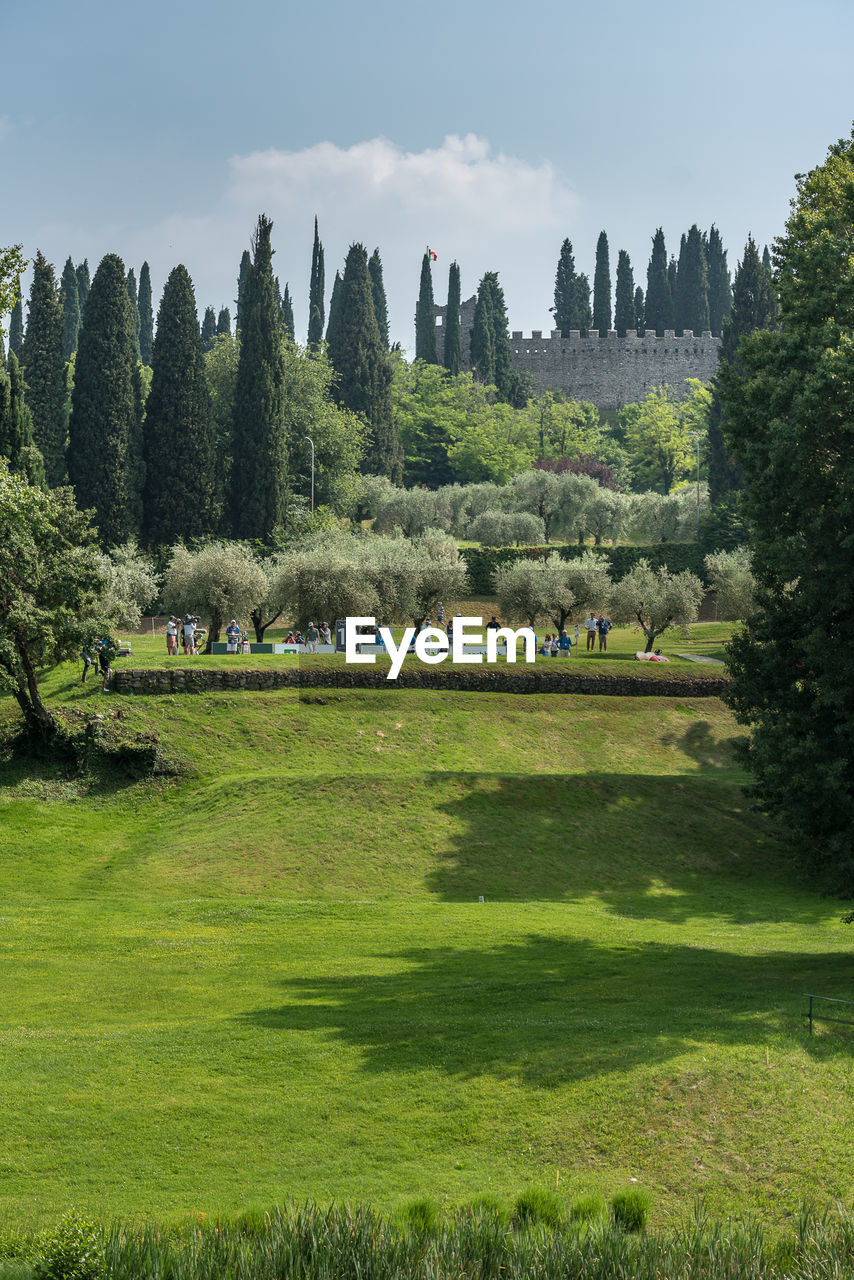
pixel 848 1022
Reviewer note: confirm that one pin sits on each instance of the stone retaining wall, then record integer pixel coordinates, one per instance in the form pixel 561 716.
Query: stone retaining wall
pixel 199 680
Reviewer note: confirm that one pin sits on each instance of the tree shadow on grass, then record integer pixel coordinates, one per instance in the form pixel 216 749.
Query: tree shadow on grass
pixel 552 1009
pixel 666 848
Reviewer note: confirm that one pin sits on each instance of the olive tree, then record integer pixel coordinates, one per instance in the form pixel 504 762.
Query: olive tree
pixel 220 580
pixel 656 600
pixel 52 588
pixel 553 588
pixel 503 528
pixel 412 511
pixel 131 583
pixel 731 578
pixel 605 514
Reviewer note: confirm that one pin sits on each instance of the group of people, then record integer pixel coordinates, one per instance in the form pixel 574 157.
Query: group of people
pixel 314 635
pixel 185 631
pixel 596 627
pixel 98 653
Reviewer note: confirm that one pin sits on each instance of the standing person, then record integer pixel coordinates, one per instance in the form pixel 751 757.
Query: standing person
pixel 603 626
pixel 590 626
pixel 106 653
pixel 565 644
pixel 555 646
pixel 311 638
pixel 493 624
pixel 172 636
pixel 232 636
pixel 88 660
pixel 325 633
pixel 188 631
pixel 440 614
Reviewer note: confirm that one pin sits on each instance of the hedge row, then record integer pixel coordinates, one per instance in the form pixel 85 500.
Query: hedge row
pixel 489 680
pixel 677 556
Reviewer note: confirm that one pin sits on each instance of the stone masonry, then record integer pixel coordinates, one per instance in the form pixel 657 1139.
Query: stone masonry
pixel 609 371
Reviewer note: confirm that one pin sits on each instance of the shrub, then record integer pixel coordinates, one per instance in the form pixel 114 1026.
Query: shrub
pixel 536 1204
pixel 589 1205
pixel 421 1216
pixel 630 1208
pixel 74 1251
pixel 488 1207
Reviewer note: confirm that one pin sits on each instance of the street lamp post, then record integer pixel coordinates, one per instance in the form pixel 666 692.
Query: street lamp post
pixel 311 442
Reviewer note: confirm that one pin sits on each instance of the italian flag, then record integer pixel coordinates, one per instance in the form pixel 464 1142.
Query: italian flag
pixel 431 255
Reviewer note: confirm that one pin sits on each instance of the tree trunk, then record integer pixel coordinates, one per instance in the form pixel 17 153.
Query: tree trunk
pixel 35 712
pixel 214 629
pixel 260 626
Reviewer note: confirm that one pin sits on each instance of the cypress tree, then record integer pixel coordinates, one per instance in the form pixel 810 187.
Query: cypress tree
pixel 178 436
pixel 771 287
pixel 208 332
pixel 720 290
pixel 223 323
pixel 564 307
pixel 624 311
pixel 602 287
pixel 672 275
pixel 334 307
pixel 83 284
pixel 425 316
pixel 242 277
pixel 16 425
pixel 453 334
pixel 491 352
pixel 104 456
pixel 375 267
pixel 677 283
pixel 692 312
pixel 288 314
pixel 583 317
pixel 482 339
pixel 43 358
pixel 70 310
pixel 16 325
pixel 658 304
pixel 316 293
pixel 259 474
pixel 358 356
pixel 134 308
pixel 146 315
pixel 640 317
pixel 754 306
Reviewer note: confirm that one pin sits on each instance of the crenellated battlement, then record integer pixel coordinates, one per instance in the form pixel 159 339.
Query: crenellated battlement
pixel 608 370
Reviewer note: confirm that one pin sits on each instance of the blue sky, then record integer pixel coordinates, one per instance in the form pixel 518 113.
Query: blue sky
pixel 489 131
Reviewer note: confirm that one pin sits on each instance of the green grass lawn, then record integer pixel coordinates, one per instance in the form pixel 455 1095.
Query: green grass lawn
pixel 273 976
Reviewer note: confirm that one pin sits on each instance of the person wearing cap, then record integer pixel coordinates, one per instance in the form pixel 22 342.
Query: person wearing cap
pixel 232 636
pixel 311 638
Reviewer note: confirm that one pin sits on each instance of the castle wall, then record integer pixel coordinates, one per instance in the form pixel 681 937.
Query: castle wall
pixel 609 371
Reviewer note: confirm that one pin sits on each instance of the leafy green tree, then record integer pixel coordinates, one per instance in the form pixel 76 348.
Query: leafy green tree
pixel 334 309
pixel 340 436
pixel 602 287
pixel 134 308
pixel 553 589
pixel 16 327
pixel 70 310
pixel 493 442
pixel 731 578
pixel 208 328
pixel 223 323
pixel 788 408
pixel 83 284
pixel 242 280
pixel 720 289
pixel 754 307
pixel 146 315
pixel 180 463
pixel 453 353
pixel 658 312
pixel 640 313
pixel 12 266
pixel 221 580
pixel 16 426
pixel 43 359
pixel 656 600
pixel 317 293
pixel 624 312
pixel 507 528
pixel 51 599
pixel 105 462
pixel 564 298
pixel 565 427
pixel 362 363
pixel 425 316
pixel 693 285
pixel 131 583
pixel 658 434
pixel 491 352
pixel 375 268
pixel 427 404
pixel 288 314
pixel 259 471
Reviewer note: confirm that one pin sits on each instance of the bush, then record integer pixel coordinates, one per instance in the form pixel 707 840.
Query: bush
pixel 487 1207
pixel 74 1251
pixel 536 1204
pixel 587 1206
pixel 630 1208
pixel 421 1216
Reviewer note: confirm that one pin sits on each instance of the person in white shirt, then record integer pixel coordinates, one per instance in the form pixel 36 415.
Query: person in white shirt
pixel 590 625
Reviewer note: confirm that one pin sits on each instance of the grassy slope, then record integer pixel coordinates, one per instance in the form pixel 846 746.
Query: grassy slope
pixel 275 978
